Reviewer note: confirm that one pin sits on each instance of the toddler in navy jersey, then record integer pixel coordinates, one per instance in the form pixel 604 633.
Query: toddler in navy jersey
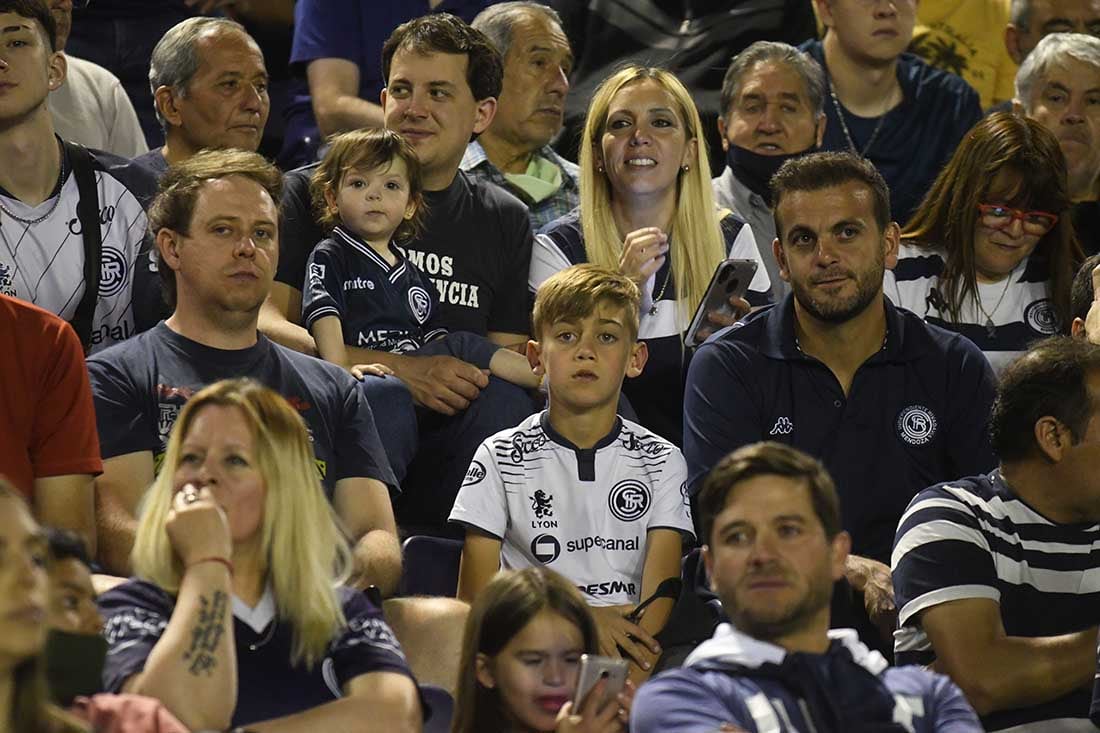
pixel 600 499
pixel 360 288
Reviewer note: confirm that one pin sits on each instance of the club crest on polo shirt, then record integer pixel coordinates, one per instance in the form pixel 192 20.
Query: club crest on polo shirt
pixel 916 425
pixel 629 500
pixel 542 504
pixel 1040 316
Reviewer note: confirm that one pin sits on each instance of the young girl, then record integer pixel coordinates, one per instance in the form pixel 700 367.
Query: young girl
pixel 360 289
pixel 521 656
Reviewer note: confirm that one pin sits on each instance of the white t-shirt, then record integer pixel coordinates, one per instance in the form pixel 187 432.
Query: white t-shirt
pixel 582 512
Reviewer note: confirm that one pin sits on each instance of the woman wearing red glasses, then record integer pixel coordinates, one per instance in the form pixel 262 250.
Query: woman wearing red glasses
pixel 991 251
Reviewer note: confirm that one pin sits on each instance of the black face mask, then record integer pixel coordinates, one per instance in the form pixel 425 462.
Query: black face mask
pixel 74 664
pixel 755 170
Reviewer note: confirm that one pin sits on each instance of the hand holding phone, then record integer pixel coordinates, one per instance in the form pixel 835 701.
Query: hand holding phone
pixel 729 283
pixel 595 668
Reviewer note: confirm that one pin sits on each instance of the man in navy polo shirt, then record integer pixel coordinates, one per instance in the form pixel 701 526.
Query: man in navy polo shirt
pixel 888 403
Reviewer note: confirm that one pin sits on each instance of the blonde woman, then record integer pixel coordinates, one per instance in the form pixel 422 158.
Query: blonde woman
pixel 647 210
pixel 237 614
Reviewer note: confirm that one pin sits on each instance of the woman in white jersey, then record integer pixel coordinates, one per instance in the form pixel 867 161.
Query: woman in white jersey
pixel 991 251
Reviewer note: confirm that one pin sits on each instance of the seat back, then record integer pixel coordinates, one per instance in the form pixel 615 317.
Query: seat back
pixel 431 566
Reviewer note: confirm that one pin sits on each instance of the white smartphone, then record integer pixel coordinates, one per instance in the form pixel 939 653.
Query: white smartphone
pixel 593 669
pixel 730 280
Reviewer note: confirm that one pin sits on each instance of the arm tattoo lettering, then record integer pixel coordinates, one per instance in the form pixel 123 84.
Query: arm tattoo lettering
pixel 206 635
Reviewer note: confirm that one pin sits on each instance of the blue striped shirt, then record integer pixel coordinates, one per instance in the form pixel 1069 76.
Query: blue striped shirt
pixel 974 538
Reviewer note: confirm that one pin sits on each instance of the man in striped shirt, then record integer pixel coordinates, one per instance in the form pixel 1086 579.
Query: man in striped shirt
pixel 995 575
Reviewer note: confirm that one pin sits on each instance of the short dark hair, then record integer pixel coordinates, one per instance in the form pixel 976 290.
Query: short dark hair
pixel 1081 293
pixel 445 33
pixel 67 545
pixel 37 10
pixel 769 459
pixel 1050 380
pixel 818 171
pixel 174 205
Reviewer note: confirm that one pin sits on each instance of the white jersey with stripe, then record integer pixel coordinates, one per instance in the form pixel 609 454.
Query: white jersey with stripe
pixel 43 263
pixel 1019 306
pixel 582 512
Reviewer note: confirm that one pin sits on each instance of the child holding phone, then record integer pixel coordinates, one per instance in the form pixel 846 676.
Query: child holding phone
pixel 601 497
pixel 521 653
pixel 360 289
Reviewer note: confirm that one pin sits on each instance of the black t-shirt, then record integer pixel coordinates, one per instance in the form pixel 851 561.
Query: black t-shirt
pixel 268 686
pixel 154 162
pixel 140 385
pixel 1086 222
pixel 475 248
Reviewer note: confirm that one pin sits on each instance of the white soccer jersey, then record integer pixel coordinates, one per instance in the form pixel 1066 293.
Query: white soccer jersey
pixel 43 263
pixel 584 513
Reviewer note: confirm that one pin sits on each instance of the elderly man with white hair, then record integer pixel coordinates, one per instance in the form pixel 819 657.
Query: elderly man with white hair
pixel 1058 85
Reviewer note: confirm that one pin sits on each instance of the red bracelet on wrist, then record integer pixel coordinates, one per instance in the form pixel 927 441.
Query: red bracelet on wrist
pixel 228 565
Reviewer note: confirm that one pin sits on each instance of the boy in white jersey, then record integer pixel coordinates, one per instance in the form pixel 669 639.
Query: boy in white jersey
pixel 597 498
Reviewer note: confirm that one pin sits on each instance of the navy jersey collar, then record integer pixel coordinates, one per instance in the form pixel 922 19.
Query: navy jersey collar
pixel 586 457
pixel 780 343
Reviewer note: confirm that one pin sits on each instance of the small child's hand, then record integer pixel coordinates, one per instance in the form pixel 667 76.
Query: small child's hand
pixel 361 370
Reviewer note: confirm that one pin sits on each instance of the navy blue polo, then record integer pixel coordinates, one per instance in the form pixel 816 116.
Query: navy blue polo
pixel 916 414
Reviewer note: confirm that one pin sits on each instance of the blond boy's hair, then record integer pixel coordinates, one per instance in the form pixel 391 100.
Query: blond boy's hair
pixel 575 292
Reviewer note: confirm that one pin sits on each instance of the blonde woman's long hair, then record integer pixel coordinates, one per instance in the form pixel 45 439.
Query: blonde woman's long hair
pixel 306 552
pixel 697 244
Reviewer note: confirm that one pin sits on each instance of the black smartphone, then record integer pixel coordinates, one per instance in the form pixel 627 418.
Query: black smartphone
pixel 731 280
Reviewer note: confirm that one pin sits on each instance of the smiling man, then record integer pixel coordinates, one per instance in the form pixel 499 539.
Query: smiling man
pixel 774 547
pixel 773 109
pixel 882 399
pixel 209 85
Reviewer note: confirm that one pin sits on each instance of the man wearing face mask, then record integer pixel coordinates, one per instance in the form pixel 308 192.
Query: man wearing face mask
pixel 772 101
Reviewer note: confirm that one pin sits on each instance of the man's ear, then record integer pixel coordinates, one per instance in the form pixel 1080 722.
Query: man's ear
pixel 722 134
pixel 1053 437
pixel 168 242
pixel 165 100
pixel 485 111
pixel 781 260
pixel 891 240
pixel 822 120
pixel 639 355
pixel 534 358
pixel 1077 328
pixel 839 549
pixel 57 70
pixel 483 671
pixel 1012 43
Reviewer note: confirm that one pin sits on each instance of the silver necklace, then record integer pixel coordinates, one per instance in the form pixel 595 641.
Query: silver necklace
pixel 844 126
pixel 656 300
pixel 990 327
pixel 53 206
pixel 266 637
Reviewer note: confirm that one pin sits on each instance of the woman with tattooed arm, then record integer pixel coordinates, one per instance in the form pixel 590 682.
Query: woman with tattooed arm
pixel 237 616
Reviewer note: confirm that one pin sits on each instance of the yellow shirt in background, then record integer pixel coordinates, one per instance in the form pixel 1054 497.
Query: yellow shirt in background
pixel 966 37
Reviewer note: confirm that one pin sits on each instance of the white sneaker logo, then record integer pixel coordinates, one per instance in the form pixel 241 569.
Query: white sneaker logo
pixel 783 426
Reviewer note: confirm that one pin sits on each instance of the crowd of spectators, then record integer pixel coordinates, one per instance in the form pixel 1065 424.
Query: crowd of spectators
pixel 345 381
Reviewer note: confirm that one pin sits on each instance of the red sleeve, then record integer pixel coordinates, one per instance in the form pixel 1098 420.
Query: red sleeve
pixel 63 438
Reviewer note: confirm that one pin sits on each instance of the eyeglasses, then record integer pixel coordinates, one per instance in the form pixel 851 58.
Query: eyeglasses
pixel 996 216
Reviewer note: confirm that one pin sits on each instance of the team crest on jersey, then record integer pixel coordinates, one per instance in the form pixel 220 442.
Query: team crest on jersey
pixel 6 286
pixel 113 272
pixel 421 303
pixel 916 425
pixel 629 500
pixel 316 271
pixel 541 504
pixel 474 474
pixel 1041 317
pixel 545 548
pixel 166 418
